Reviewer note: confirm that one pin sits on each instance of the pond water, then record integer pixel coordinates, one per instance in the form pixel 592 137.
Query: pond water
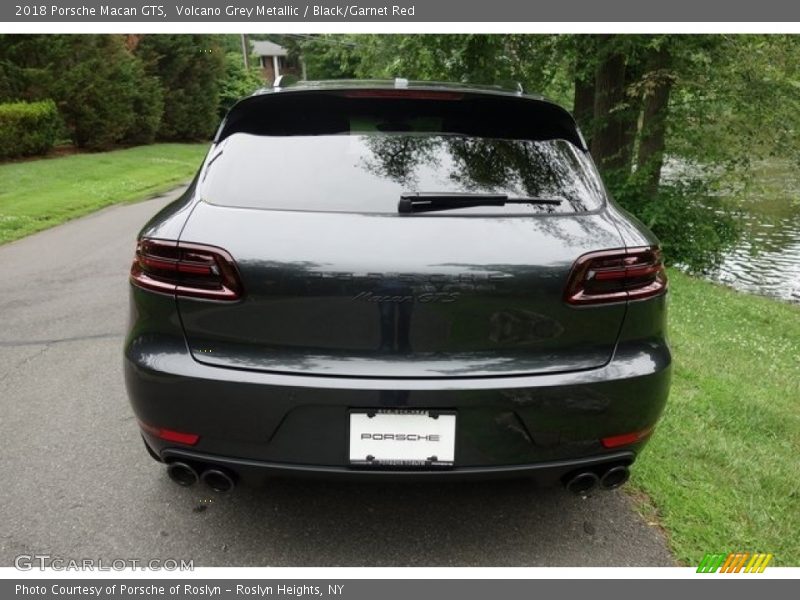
pixel 767 258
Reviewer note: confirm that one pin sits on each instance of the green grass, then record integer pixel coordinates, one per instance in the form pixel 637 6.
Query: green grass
pixel 38 194
pixel 723 468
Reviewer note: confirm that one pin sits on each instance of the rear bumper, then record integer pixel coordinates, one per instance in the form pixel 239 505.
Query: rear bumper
pixel 263 424
pixel 258 472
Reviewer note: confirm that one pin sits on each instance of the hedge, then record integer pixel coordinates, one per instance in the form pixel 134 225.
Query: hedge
pixel 28 128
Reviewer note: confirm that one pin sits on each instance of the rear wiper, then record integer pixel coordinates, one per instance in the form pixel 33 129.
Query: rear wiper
pixel 431 201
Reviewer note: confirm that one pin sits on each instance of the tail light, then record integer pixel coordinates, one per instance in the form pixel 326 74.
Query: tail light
pixel 193 270
pixel 616 275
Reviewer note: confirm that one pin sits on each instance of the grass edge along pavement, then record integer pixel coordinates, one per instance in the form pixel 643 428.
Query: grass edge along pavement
pixel 39 194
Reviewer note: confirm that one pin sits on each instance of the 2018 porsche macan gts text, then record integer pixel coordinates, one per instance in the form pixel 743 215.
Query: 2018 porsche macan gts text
pixel 397 280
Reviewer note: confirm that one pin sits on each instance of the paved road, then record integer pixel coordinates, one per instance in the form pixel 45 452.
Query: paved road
pixel 76 481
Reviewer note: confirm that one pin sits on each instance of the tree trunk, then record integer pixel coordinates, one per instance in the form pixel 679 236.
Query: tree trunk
pixel 629 115
pixel 608 138
pixel 657 87
pixel 583 73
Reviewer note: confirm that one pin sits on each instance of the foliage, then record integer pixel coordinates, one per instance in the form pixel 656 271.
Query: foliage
pixel 37 194
pixel 28 128
pixel 469 58
pixel 237 82
pixel 691 221
pixel 100 88
pixel 148 108
pixel 720 102
pixel 95 89
pixel 189 68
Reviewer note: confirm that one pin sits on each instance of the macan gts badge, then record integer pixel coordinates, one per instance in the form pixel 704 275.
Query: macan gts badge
pixel 397 280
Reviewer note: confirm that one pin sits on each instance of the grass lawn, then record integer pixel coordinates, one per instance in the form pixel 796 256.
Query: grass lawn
pixel 38 194
pixel 723 468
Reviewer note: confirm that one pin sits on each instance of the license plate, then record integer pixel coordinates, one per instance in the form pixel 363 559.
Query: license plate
pixel 413 438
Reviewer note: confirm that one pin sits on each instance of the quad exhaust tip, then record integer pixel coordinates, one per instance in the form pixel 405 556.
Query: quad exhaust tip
pixel 615 477
pixel 185 475
pixel 182 474
pixel 218 480
pixel 585 481
pixel 582 483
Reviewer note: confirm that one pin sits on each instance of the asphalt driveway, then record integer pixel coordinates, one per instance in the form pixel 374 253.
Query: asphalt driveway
pixel 77 481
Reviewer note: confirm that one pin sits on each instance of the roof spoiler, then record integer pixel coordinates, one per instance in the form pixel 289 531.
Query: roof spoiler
pixel 310 108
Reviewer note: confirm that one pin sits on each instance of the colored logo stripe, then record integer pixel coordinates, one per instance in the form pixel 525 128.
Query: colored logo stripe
pixel 735 562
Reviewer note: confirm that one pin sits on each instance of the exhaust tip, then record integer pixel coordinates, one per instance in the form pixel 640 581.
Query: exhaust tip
pixel 615 477
pixel 217 480
pixel 582 482
pixel 182 474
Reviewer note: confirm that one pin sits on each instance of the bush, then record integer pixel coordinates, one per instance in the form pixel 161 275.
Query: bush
pixel 694 225
pixel 189 68
pixel 148 108
pixel 100 88
pixel 28 128
pixel 237 82
pixel 99 92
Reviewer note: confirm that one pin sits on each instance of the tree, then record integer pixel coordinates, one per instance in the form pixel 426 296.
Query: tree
pixel 100 88
pixel 237 82
pixel 624 91
pixel 190 69
pixel 655 90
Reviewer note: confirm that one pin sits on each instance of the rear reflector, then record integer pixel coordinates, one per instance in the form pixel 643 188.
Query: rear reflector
pixel 625 439
pixel 168 435
pixel 616 275
pixel 184 269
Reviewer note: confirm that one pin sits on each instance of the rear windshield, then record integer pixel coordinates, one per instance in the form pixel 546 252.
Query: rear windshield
pixel 367 170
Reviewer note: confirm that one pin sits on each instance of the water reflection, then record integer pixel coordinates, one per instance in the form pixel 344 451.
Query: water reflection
pixel 767 258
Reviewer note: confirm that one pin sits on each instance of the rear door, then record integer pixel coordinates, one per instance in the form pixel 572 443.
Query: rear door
pixel 337 282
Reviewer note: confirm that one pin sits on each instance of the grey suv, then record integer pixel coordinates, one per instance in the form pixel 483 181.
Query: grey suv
pixel 397 280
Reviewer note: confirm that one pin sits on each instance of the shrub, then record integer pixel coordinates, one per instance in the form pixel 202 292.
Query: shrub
pixel 148 108
pixel 100 88
pixel 96 88
pixel 237 82
pixel 28 128
pixel 693 223
pixel 189 68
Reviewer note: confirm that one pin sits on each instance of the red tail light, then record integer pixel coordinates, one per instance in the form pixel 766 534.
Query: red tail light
pixel 185 269
pixel 616 275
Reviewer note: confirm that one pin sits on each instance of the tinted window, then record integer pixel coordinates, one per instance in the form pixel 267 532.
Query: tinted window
pixel 367 172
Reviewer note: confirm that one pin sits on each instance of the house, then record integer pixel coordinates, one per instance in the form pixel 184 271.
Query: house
pixel 272 59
